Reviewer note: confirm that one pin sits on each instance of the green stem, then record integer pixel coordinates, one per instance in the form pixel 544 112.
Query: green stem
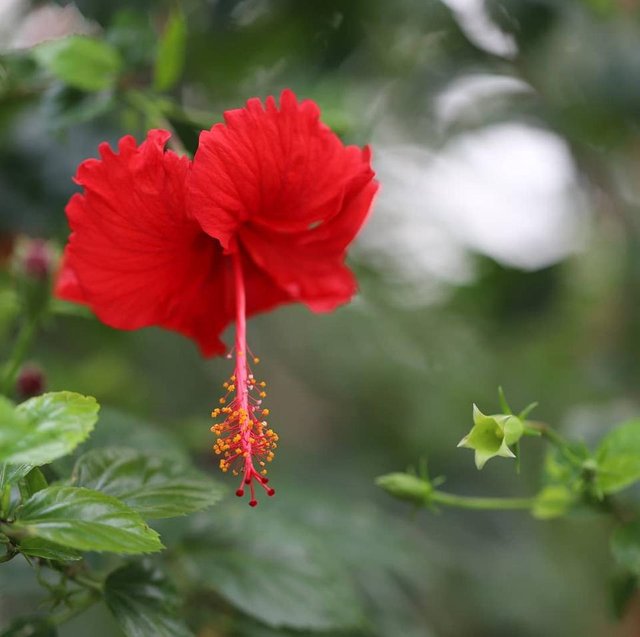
pixel 21 347
pixel 552 435
pixel 87 582
pixel 486 504
pixel 555 439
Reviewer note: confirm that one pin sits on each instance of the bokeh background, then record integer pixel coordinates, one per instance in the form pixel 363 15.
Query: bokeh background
pixel 503 249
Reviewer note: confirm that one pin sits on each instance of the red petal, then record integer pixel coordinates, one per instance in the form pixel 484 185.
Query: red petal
pixel 280 170
pixel 134 256
pixel 67 285
pixel 309 265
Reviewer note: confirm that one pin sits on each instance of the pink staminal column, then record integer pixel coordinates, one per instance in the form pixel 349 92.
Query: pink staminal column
pixel 244 436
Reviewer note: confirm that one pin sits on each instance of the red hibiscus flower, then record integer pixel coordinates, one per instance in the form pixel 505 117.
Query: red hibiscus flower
pixel 262 216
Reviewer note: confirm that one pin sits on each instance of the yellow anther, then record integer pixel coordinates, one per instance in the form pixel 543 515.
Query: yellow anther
pixel 263 384
pixel 263 394
pixel 222 401
pixel 225 384
pixel 232 387
pixel 256 360
pixel 265 412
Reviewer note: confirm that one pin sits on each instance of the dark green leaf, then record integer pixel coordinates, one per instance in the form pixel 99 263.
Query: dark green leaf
pixel 46 427
pixel 37 547
pixel 171 52
pixel 30 627
pixel 147 437
pixel 618 458
pixel 154 486
pixel 276 574
pixel 144 603
pixel 623 588
pixel 85 520
pixel 625 546
pixel 85 63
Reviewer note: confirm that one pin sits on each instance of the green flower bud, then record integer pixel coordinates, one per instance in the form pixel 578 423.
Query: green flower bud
pixel 405 486
pixel 492 436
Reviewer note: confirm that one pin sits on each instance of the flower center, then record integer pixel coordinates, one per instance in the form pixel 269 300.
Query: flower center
pixel 244 438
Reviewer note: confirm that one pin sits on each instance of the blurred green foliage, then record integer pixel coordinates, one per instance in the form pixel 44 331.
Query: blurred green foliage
pixel 367 390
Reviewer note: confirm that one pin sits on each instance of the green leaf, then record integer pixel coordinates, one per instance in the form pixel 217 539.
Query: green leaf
pixel 275 573
pixel 154 486
pixel 625 546
pixel 553 501
pixel 34 481
pixel 171 53
pixel 79 61
pixel 12 473
pixel 30 627
pixel 46 427
pixel 618 458
pixel 37 547
pixel 144 603
pixel 85 520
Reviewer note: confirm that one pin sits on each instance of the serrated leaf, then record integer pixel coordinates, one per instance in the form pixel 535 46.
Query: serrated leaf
pixel 154 486
pixel 30 627
pixel 82 62
pixel 275 574
pixel 171 52
pixel 85 520
pixel 625 546
pixel 37 547
pixel 144 603
pixel 44 428
pixel 618 458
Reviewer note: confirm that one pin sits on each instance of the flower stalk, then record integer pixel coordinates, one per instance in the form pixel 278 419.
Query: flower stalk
pixel 20 350
pixel 480 503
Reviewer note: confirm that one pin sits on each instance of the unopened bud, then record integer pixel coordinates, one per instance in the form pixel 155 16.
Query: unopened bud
pixel 37 259
pixel 492 436
pixel 405 486
pixel 34 264
pixel 31 381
